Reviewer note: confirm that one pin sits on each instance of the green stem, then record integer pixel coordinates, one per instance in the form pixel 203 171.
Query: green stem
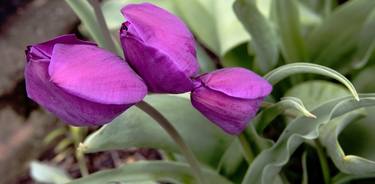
pixel 81 163
pixel 248 154
pixel 327 7
pixel 110 45
pixel 173 133
pixel 323 162
pixel 169 156
pixel 76 134
pixel 85 13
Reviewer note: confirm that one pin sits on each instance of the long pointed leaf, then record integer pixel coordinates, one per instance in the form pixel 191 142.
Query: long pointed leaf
pixel 264 38
pixel 134 128
pixel 284 71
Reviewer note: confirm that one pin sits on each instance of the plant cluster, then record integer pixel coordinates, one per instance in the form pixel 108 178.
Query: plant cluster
pixel 198 96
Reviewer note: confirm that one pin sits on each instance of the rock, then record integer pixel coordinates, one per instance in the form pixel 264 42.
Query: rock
pixel 39 21
pixel 21 141
pixel 23 124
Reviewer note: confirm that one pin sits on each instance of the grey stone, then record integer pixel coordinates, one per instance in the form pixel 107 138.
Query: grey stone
pixel 39 21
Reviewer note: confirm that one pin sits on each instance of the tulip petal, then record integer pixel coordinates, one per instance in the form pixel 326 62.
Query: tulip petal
pixel 73 110
pixel 95 74
pixel 156 69
pixel 237 82
pixel 44 49
pixel 151 32
pixel 229 113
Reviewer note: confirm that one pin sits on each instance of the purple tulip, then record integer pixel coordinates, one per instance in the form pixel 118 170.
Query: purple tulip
pixel 230 97
pixel 159 47
pixel 79 82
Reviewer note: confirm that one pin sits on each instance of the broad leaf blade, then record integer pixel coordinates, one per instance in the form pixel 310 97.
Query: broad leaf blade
pixel 161 171
pixel 114 18
pixel 313 93
pixel 134 128
pixel 44 173
pixel 214 23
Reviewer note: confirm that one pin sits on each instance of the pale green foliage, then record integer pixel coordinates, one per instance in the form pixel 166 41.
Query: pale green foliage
pixel 269 162
pixel 44 173
pixel 265 36
pixel 136 173
pixel 134 128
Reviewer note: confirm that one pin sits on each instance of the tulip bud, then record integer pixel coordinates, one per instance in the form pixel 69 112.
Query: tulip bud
pixel 159 47
pixel 230 97
pixel 79 82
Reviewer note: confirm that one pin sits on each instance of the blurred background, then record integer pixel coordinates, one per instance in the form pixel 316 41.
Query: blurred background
pixel 28 133
pixel 23 124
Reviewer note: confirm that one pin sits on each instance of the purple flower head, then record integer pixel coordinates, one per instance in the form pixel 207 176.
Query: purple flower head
pixel 159 47
pixel 230 97
pixel 79 82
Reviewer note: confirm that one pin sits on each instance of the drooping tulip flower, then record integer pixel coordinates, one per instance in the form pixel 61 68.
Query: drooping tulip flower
pixel 159 47
pixel 79 82
pixel 230 97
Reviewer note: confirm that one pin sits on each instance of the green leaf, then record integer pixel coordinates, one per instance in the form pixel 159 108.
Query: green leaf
pixel 350 164
pixel 330 47
pixel 297 104
pixel 264 38
pixel 231 160
pixel 366 42
pixel 214 23
pixel 358 138
pixel 342 178
pixel 307 15
pixel 268 163
pixel 284 71
pixel 44 173
pixel 265 117
pixel 150 170
pixel 289 28
pixel 206 63
pixel 313 93
pixel 86 14
pixel 134 128
pixel 238 56
pixel 364 81
pixel 114 18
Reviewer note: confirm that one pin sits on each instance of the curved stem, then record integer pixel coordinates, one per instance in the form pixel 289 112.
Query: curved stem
pixel 323 162
pixel 248 154
pixel 173 133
